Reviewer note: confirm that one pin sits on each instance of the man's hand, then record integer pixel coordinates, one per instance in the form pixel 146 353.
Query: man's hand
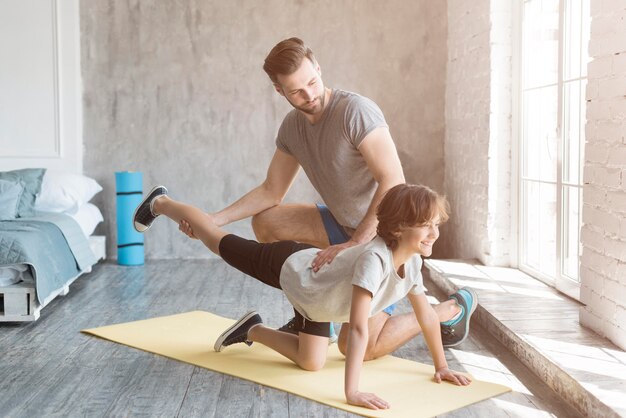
pixel 368 400
pixel 452 376
pixel 327 255
pixel 184 227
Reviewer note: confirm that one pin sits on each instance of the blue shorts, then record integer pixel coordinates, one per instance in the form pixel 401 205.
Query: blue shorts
pixel 338 235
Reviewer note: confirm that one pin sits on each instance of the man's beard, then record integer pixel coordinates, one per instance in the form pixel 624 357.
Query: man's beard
pixel 311 111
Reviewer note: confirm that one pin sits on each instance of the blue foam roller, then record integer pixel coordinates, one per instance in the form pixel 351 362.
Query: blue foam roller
pixel 128 187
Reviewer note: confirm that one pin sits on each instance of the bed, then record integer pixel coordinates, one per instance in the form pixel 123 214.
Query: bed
pixel 49 241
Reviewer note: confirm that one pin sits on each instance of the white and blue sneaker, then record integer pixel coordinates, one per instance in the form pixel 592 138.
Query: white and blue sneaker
pixel 332 339
pixel 456 330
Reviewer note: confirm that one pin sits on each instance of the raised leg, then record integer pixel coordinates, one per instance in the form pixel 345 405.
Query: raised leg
pixel 203 226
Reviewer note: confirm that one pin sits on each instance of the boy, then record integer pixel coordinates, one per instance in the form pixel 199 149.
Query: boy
pixel 361 281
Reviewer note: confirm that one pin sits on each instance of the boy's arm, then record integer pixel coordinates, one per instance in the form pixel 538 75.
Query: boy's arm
pixel 357 343
pixel 429 322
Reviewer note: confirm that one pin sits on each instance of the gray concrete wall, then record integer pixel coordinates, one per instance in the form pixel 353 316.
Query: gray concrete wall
pixel 176 90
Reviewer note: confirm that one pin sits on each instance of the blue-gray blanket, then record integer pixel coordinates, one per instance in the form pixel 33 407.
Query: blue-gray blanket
pixel 52 244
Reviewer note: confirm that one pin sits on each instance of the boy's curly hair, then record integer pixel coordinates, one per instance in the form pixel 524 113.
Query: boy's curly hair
pixel 407 205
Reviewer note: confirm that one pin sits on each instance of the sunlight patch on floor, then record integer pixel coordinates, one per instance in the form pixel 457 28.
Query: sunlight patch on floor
pixel 489 368
pixel 517 410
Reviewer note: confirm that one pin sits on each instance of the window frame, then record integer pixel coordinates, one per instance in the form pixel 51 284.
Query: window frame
pixel 560 281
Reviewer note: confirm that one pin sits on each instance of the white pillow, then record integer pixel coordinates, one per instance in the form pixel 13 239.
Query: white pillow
pixel 65 192
pixel 88 217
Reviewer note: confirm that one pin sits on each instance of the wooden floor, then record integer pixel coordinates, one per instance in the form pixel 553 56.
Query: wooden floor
pixel 48 368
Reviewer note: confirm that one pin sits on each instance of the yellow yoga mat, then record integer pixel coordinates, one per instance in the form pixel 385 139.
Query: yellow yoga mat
pixel 408 386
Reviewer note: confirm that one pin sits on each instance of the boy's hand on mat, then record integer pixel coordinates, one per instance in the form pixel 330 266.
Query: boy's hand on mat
pixel 452 376
pixel 368 400
pixel 184 227
pixel 327 255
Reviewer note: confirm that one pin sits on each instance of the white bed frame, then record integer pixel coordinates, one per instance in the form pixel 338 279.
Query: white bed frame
pixel 45 82
pixel 18 302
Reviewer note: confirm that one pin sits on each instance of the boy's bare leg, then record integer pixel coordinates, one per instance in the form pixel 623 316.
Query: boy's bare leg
pixel 388 333
pixel 307 351
pixel 203 226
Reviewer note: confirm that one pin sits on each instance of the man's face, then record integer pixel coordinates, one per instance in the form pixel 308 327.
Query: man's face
pixel 304 88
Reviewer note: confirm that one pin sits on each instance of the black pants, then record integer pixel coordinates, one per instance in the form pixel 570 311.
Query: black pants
pixel 264 262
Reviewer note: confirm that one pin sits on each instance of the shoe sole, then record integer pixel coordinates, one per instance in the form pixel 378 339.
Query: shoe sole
pixel 135 223
pixel 220 340
pixel 468 317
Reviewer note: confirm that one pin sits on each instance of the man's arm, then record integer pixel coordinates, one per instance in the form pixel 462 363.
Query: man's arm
pixel 429 322
pixel 381 157
pixel 280 175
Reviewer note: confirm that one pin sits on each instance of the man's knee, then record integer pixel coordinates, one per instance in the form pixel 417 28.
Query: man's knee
pixel 261 225
pixel 371 350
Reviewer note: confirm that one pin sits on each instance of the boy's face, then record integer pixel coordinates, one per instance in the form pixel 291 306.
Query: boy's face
pixel 304 88
pixel 421 238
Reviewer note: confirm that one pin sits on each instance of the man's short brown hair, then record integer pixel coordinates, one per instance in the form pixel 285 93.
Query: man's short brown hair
pixel 286 57
pixel 407 205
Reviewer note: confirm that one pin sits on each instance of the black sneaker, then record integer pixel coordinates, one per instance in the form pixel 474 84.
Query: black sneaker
pixel 453 335
pixel 143 217
pixel 290 327
pixel 238 332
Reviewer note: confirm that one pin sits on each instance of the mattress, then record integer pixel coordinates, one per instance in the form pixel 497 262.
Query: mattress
pixel 16 273
pixel 52 245
pixel 87 218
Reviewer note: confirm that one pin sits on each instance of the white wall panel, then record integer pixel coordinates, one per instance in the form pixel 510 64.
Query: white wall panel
pixel 40 119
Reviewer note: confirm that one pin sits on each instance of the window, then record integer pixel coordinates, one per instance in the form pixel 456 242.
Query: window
pixel 554 39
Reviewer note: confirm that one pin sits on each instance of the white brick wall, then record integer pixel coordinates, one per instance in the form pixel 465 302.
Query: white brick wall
pixel 499 206
pixel 478 131
pixel 603 235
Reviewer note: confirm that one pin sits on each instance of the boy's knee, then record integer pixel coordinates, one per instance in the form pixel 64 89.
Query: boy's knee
pixel 312 365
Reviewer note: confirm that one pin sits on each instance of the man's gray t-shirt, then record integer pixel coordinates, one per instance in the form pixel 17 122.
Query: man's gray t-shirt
pixel 329 152
pixel 326 295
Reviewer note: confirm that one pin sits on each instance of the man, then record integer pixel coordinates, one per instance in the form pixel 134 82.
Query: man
pixel 342 142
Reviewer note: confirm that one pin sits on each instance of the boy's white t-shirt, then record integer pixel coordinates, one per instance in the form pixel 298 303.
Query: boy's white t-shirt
pixel 325 295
